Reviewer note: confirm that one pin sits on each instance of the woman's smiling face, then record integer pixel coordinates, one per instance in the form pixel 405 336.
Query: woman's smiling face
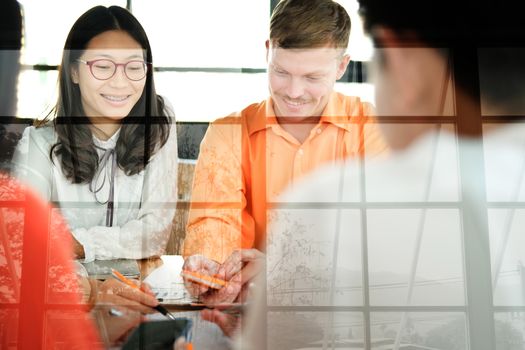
pixel 111 100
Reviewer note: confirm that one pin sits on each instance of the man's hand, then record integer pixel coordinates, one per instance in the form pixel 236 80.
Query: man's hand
pixel 202 265
pixel 241 267
pixel 113 292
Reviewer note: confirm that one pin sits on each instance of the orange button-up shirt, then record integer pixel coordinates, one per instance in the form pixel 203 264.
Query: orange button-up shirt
pixel 247 160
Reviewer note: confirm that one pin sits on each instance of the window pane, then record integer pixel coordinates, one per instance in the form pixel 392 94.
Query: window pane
pixel 360 46
pixel 312 330
pixel 44 36
pixel 208 96
pixel 37 93
pixel 504 153
pixel 206 33
pixel 507 243
pixel 510 334
pixel 300 257
pixel 392 238
pixel 228 40
pixel 364 91
pixel 11 244
pixel 439 331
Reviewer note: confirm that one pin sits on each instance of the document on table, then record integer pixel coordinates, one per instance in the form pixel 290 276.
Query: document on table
pixel 167 284
pixel 101 269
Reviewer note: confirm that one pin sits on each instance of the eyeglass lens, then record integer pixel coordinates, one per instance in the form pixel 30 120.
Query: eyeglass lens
pixel 105 69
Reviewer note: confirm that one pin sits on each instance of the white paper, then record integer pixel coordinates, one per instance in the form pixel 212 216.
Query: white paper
pixel 166 282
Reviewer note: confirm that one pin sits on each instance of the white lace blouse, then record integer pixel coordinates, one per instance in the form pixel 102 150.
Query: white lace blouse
pixel 144 203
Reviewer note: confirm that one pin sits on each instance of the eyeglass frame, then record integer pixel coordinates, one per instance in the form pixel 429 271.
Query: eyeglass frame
pixel 90 65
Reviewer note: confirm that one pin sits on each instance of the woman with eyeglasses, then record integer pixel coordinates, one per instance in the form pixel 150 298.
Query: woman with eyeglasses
pixel 107 153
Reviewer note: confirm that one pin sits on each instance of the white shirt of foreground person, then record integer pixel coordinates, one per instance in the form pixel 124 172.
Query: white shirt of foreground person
pixel 314 256
pixel 144 204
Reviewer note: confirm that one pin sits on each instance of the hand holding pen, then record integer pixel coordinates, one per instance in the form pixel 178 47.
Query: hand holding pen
pixel 146 296
pixel 115 292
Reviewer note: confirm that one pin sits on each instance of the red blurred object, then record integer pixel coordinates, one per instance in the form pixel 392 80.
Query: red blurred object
pixel 40 299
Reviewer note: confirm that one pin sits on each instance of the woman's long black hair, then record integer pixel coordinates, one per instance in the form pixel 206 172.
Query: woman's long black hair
pixel 143 131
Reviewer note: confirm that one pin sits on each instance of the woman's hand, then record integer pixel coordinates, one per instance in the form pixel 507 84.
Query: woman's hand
pixel 114 323
pixel 78 249
pixel 114 292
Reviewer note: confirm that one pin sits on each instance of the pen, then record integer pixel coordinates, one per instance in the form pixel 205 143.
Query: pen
pixel 123 279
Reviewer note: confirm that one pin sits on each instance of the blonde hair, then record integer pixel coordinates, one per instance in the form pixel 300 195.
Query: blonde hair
pixel 300 24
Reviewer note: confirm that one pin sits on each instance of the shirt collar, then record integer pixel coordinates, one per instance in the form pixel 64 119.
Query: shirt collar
pixel 263 118
pixel 335 112
pixel 109 143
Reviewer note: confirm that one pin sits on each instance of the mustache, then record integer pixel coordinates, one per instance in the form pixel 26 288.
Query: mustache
pixel 295 100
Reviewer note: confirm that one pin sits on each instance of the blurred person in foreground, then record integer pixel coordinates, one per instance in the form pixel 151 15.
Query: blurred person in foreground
pixel 458 62
pixel 249 158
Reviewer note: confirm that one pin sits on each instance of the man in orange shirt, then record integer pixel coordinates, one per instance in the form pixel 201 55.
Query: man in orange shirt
pixel 247 159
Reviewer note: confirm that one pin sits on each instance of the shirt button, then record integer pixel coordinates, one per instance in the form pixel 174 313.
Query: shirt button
pixel 318 131
pixel 300 151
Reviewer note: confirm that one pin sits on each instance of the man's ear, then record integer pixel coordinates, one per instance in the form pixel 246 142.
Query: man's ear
pixel 74 74
pixel 267 43
pixel 417 75
pixel 399 60
pixel 386 40
pixel 341 68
